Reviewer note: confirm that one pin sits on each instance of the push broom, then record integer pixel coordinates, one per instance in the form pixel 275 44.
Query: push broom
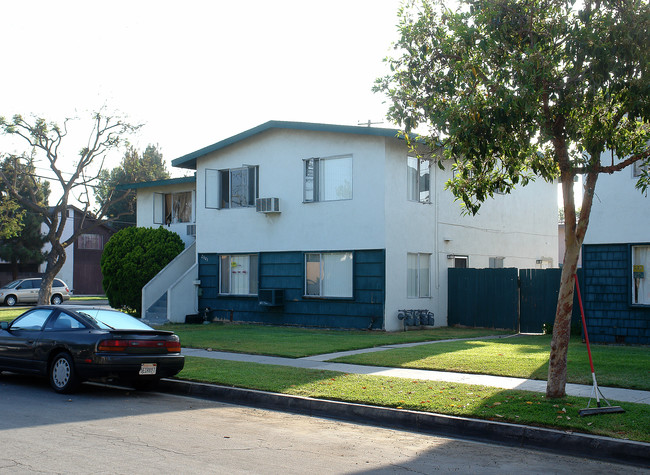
pixel 595 392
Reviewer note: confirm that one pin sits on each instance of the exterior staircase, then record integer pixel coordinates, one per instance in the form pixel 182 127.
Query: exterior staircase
pixel 173 293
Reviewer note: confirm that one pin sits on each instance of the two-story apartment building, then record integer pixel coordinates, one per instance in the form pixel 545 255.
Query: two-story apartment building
pixel 335 226
pixel 616 260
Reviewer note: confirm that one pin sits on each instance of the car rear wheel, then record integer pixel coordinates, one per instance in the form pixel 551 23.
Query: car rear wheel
pixel 56 300
pixel 63 377
pixel 10 301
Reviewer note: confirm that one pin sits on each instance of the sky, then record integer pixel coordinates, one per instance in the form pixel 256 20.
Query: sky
pixel 195 72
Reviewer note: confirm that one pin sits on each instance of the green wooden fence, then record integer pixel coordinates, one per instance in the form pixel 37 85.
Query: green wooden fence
pixel 521 300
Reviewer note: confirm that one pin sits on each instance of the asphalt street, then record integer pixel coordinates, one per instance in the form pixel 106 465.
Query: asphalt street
pixel 104 430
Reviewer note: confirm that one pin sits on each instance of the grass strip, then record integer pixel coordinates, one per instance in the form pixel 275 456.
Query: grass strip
pixel 521 357
pixel 294 342
pixel 7 315
pixel 519 407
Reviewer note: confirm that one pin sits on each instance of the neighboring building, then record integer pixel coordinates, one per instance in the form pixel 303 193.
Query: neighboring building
pixel 332 226
pixel 617 294
pixel 82 270
pixel 171 203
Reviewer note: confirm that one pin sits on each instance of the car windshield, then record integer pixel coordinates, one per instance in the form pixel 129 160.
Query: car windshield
pixel 113 320
pixel 12 285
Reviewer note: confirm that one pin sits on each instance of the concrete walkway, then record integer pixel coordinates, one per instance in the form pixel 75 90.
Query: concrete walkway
pixel 321 362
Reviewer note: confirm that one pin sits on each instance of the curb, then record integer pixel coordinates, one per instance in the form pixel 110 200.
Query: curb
pixel 556 441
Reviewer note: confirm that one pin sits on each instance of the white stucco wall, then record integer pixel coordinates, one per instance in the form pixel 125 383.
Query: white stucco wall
pixel 332 225
pixel 520 227
pixel 67 271
pixel 145 209
pixel 620 212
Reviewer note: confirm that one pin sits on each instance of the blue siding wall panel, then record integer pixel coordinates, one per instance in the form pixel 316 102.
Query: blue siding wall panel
pixel 611 317
pixel 285 270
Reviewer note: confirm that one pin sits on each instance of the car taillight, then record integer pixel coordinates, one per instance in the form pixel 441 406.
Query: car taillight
pixel 122 345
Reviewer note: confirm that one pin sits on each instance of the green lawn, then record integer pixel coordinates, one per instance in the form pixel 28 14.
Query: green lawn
pixel 519 407
pixel 523 357
pixel 8 314
pixel 296 342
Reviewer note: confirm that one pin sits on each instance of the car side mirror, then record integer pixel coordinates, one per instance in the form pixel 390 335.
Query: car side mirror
pixel 4 325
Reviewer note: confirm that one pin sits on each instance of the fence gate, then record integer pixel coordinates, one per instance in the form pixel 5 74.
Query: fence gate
pixel 521 300
pixel 483 298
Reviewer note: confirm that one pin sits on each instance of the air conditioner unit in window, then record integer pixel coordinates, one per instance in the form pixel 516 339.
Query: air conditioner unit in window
pixel 270 297
pixel 191 229
pixel 267 205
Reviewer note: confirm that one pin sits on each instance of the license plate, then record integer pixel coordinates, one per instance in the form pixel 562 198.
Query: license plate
pixel 148 368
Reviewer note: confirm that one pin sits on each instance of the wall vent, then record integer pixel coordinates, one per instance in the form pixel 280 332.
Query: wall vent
pixel 191 229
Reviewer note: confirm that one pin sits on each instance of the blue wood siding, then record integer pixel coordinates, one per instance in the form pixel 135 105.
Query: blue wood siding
pixel 286 271
pixel 611 317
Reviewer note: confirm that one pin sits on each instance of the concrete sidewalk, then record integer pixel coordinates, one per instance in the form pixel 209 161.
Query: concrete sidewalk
pixel 320 362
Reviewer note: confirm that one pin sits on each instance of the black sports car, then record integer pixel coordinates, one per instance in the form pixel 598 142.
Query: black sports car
pixel 71 344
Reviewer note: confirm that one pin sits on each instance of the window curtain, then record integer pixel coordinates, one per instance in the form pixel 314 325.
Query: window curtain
pixel 641 287
pixel 412 178
pixel 412 275
pixel 424 261
pixel 182 207
pixel 337 274
pixel 423 183
pixel 313 275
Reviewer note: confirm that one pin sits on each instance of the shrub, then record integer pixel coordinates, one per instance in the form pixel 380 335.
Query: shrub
pixel 131 258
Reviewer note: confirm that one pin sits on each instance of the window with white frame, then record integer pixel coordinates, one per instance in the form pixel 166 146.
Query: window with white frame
pixel 171 208
pixel 328 274
pixel 238 274
pixel 637 168
pixel 640 269
pixel 328 179
pixel 232 188
pixel 418 175
pixel 461 262
pixel 496 262
pixel 418 275
pixel 90 241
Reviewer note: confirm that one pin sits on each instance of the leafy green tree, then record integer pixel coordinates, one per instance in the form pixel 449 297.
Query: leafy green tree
pixel 134 168
pixel 25 246
pixel 514 90
pixel 131 258
pixel 73 178
pixel 11 217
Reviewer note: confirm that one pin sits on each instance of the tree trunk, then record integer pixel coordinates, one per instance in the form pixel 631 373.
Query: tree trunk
pixel 557 369
pixel 573 239
pixel 55 260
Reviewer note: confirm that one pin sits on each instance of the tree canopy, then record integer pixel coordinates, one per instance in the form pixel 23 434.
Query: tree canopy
pixel 25 245
pixel 516 90
pixel 73 177
pixel 135 167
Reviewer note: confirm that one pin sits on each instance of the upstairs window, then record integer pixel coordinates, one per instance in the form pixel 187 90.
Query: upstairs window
pixel 232 188
pixel 90 241
pixel 638 168
pixel 328 179
pixel 328 274
pixel 418 275
pixel 171 208
pixel 418 185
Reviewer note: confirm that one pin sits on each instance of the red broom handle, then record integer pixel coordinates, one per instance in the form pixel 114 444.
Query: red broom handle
pixel 584 323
